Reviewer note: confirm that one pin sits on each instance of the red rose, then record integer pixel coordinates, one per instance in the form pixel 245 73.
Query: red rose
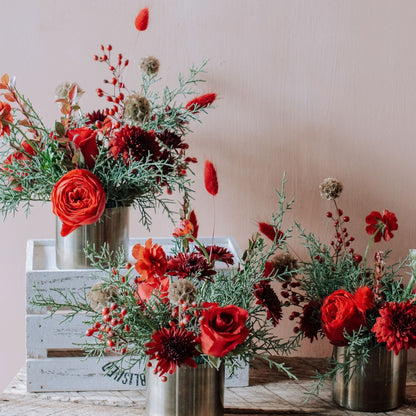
pixel 222 329
pixel 78 198
pixel 340 313
pixel 85 140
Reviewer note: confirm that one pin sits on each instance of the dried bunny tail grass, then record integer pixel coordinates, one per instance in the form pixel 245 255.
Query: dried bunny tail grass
pixel 182 290
pixel 150 65
pixel 100 296
pixel 330 188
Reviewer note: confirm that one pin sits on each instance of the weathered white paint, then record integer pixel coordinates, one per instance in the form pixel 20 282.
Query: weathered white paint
pixel 45 333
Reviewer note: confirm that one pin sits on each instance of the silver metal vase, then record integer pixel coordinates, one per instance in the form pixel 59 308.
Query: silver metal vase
pixel 380 386
pixel 112 228
pixel 188 392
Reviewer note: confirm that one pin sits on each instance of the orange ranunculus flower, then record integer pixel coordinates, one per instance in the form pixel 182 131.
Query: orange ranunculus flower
pixel 151 261
pixel 185 228
pixel 78 198
pixel 85 140
pixel 5 118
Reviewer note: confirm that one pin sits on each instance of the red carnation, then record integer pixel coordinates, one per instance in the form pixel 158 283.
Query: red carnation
pixel 210 177
pixel 201 102
pixel 270 232
pixel 396 326
pixel 381 225
pixel 142 19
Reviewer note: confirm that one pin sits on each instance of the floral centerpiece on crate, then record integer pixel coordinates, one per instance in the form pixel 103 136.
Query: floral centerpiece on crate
pixel 175 310
pixel 129 153
pixel 359 303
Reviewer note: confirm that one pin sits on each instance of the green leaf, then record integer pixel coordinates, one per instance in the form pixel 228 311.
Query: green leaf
pixel 60 129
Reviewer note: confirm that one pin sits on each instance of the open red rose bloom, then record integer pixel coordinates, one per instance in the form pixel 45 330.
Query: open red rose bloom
pixel 222 328
pixel 78 198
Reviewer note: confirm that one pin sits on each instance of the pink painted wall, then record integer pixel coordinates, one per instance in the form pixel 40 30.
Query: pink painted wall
pixel 316 89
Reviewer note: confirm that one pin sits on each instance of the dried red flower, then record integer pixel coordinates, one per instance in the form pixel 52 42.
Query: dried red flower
pixel 142 19
pixel 136 141
pixel 396 326
pixel 172 347
pixel 5 118
pixel 194 222
pixel 270 232
pixel 190 265
pixel 151 261
pixel 217 253
pixel 201 102
pixel 267 297
pixel 210 178
pixel 310 320
pixel 381 225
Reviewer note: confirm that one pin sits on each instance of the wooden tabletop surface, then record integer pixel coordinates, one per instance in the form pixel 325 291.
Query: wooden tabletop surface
pixel 270 393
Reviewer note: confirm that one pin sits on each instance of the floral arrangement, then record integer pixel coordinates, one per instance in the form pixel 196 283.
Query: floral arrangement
pixel 354 305
pixel 126 154
pixel 178 308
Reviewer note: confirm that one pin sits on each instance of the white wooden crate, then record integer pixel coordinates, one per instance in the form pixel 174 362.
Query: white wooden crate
pixel 50 343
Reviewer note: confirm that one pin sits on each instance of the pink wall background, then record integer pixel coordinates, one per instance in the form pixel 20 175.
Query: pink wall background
pixel 316 89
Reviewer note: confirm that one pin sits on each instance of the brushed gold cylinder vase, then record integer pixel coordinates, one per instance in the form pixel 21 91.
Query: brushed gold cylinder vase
pixel 187 392
pixel 380 386
pixel 112 228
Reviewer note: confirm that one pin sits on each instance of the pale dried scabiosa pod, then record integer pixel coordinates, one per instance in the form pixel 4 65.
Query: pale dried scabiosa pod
pixel 136 108
pixel 100 296
pixel 283 263
pixel 62 91
pixel 150 65
pixel 330 188
pixel 182 290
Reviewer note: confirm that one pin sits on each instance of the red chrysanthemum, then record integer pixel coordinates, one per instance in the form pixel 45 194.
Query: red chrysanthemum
pixel 172 347
pixel 142 19
pixel 190 265
pixel 270 232
pixel 151 261
pixel 210 177
pixel 217 253
pixel 381 225
pixel 267 297
pixel 135 141
pixel 201 102
pixel 5 118
pixel 172 140
pixel 396 326
pixel 310 320
pixel 95 116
